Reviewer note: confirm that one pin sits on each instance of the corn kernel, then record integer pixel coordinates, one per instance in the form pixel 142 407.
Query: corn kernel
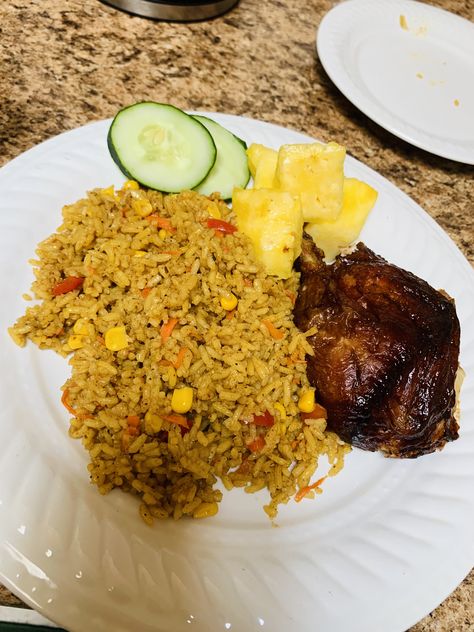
pixel 229 302
pixel 214 211
pixel 162 234
pixel 76 341
pixel 109 191
pixel 83 328
pixel 142 207
pixel 205 510
pixel 153 421
pixel 306 401
pixel 130 185
pixel 116 339
pixel 281 410
pixel 182 399
pixel 139 253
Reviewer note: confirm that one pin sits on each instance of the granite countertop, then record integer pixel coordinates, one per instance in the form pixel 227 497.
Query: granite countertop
pixel 66 64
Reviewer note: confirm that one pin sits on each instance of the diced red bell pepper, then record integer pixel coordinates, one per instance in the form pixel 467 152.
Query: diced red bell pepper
pixel 318 412
pixel 67 285
pixel 266 419
pixel 256 445
pixel 221 226
pixel 179 420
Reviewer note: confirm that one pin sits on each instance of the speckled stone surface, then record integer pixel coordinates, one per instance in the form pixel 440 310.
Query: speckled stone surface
pixel 65 64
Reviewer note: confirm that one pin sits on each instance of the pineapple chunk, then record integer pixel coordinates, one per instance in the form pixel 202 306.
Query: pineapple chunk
pixel 262 165
pixel 315 172
pixel 255 151
pixel 274 223
pixel 358 200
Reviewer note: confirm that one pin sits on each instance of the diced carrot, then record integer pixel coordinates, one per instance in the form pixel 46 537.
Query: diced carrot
pixel 180 357
pixel 291 361
pixel 265 420
pixel 145 291
pixel 220 225
pixel 84 416
pixel 70 409
pixel 230 315
pixel 257 444
pixel 174 418
pixel 161 222
pixel 167 328
pixel 65 402
pixel 133 420
pixel 318 412
pixel 275 333
pixel 305 490
pixel 68 284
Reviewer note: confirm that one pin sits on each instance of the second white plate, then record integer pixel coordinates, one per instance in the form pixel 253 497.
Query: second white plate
pixel 409 67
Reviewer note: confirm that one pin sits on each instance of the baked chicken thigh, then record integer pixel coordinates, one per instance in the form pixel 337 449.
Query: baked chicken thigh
pixel 386 351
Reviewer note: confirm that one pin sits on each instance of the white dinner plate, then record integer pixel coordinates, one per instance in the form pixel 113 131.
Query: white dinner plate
pixel 383 545
pixel 409 67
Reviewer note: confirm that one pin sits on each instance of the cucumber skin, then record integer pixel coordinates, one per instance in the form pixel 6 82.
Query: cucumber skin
pixel 240 140
pixel 118 162
pixel 114 154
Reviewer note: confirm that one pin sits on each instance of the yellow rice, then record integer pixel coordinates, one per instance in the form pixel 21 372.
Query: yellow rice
pixel 139 276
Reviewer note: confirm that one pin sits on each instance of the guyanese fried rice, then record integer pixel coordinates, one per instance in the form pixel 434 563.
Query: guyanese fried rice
pixel 153 272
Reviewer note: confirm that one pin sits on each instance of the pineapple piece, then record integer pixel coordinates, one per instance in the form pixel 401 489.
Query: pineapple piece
pixel 262 165
pixel 255 152
pixel 358 200
pixel 274 223
pixel 315 172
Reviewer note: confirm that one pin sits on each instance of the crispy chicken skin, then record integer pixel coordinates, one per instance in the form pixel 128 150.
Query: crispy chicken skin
pixel 386 351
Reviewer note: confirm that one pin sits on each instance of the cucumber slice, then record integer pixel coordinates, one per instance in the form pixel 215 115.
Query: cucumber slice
pixel 231 167
pixel 161 147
